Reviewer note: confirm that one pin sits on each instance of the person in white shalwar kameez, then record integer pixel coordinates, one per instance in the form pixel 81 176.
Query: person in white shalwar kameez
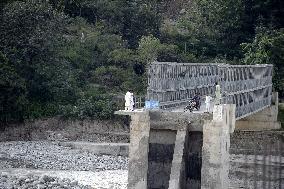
pixel 127 98
pixel 207 103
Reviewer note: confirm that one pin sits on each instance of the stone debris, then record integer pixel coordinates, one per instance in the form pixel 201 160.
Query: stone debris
pixel 38 182
pixel 49 155
pixel 109 179
pixel 46 165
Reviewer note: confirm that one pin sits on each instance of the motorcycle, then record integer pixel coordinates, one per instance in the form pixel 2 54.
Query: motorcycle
pixel 192 105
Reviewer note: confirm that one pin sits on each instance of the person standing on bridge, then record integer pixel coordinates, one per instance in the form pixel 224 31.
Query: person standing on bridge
pixel 129 102
pixel 208 103
pixel 217 94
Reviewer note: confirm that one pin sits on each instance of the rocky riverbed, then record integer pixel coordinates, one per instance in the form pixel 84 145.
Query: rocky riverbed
pixel 38 182
pixel 256 161
pixel 44 164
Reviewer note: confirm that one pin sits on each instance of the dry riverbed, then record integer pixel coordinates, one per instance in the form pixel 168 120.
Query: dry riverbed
pixel 44 164
pixel 256 161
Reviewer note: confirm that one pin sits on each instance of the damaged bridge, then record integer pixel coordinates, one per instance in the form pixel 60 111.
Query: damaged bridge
pixel 173 149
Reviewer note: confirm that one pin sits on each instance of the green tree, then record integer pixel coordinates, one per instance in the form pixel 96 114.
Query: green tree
pixel 13 92
pixel 149 48
pixel 31 36
pixel 268 48
pixel 210 28
pixel 129 19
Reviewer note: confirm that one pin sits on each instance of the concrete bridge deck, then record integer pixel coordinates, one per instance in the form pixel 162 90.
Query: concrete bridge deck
pixel 173 120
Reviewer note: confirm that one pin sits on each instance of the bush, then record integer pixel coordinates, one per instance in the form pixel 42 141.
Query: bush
pixel 37 110
pixel 89 108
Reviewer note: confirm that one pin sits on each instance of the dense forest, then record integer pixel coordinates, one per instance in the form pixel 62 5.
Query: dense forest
pixel 73 57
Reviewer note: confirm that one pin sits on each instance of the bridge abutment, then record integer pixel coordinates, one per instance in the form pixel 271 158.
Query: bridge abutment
pixel 265 119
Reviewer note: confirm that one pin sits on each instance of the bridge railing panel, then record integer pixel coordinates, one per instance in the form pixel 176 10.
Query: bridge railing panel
pixel 170 82
pixel 247 86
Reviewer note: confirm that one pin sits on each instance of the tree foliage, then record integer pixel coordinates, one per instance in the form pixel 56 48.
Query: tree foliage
pixel 268 48
pixel 74 57
pixel 12 90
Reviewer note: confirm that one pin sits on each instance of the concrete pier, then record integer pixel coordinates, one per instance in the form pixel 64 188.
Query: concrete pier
pixel 139 148
pixel 215 150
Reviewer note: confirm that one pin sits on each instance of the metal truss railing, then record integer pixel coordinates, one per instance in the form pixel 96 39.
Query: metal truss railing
pixel 247 86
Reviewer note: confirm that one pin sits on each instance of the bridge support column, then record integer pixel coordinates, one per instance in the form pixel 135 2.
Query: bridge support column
pixel 138 150
pixel 215 150
pixel 177 177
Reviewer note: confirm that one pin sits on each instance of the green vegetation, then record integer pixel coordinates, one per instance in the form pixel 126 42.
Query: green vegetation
pixel 268 47
pixel 73 57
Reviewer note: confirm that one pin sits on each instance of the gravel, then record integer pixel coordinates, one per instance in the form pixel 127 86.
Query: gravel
pixel 38 182
pixel 114 179
pixel 44 165
pixel 49 155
